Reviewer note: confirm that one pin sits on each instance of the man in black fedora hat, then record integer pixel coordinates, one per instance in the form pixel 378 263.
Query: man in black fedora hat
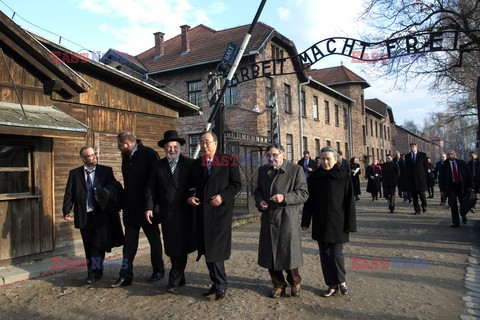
pixel 167 194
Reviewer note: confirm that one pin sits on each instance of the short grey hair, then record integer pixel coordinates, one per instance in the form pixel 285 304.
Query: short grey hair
pixel 276 146
pixel 332 150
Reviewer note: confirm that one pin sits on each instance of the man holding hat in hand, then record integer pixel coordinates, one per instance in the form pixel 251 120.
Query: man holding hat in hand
pixel 166 196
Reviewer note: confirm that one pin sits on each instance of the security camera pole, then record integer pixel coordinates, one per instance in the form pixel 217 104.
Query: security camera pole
pixel 228 80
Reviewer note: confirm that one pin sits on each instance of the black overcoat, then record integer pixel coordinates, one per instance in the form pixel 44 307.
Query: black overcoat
pixel 355 175
pixel 373 184
pixel 109 232
pixel 214 224
pixel 170 192
pixel 445 179
pixel 416 172
pixel 136 171
pixel 390 174
pixel 330 205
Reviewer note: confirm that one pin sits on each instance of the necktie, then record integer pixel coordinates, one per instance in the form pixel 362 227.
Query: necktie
pixel 473 167
pixel 173 166
pixel 455 172
pixel 413 156
pixel 209 166
pixel 305 165
pixel 90 192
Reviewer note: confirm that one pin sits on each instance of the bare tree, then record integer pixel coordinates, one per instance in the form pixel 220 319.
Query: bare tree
pixel 456 73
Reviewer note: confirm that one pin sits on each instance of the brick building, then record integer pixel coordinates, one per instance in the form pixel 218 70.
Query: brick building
pixel 379 130
pixel 433 146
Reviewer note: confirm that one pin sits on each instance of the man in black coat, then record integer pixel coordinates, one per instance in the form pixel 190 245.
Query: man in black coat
pixel 456 181
pixel 307 163
pixel 137 165
pixel 473 167
pixel 436 175
pixel 390 174
pixel 216 181
pixel 416 164
pixel 95 225
pixel 167 195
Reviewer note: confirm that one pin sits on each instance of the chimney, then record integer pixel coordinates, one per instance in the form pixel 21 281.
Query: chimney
pixel 159 46
pixel 185 40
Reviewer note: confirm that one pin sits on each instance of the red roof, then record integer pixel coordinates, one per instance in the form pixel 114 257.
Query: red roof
pixel 206 45
pixel 336 75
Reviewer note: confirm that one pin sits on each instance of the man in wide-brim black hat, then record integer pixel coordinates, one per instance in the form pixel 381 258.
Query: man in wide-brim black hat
pixel 168 189
pixel 170 135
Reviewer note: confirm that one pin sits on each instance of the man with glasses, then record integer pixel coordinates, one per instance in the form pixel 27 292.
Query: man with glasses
pixel 93 222
pixel 215 181
pixel 279 196
pixel 416 168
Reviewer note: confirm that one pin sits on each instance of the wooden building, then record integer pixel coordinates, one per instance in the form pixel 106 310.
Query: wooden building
pixel 51 104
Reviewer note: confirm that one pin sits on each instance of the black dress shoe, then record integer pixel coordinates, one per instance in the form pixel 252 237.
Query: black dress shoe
pixel 210 291
pixel 329 292
pixel 464 219
pixel 172 289
pixel 156 275
pixel 344 289
pixel 424 209
pixel 91 279
pixel 454 225
pixel 121 282
pixel 220 294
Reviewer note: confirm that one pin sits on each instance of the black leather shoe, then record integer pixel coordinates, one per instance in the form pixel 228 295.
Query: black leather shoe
pixel 172 289
pixel 464 219
pixel 121 282
pixel 424 209
pixel 210 291
pixel 344 289
pixel 91 279
pixel 329 292
pixel 454 225
pixel 220 294
pixel 156 275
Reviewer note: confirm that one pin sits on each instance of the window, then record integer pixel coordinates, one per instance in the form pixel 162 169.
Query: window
pixel 277 53
pixel 16 169
pixel 195 92
pixel 317 147
pixel 303 104
pixel 381 131
pixel 288 99
pixel 366 126
pixel 378 154
pixel 305 144
pixel 362 101
pixel 231 95
pixel 329 144
pixel 327 113
pixel 289 147
pixel 268 90
pixel 193 140
pixel 337 118
pixel 345 118
pixel 371 127
pixel 347 152
pixel 364 135
pixel 388 131
pixel 376 129
pixel 315 108
pixel 338 146
pixel 368 154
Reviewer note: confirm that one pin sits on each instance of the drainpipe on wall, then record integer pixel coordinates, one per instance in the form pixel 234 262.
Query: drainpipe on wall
pixel 350 137
pixel 300 111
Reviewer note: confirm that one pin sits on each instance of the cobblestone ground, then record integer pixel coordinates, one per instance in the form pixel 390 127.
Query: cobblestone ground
pixel 433 290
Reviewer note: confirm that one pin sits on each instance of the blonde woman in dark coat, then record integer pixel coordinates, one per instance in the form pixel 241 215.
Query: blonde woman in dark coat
pixel 331 206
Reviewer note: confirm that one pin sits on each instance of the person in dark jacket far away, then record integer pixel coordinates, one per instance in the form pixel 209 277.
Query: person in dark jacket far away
pixel 390 174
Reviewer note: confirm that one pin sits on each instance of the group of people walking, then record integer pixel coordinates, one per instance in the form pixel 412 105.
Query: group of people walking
pixel 414 174
pixel 192 200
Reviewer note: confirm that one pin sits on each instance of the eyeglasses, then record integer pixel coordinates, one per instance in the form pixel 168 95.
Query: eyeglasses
pixel 273 155
pixel 206 142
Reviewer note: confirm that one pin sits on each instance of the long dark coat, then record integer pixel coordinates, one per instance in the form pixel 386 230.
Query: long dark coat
pixel 373 184
pixel 416 172
pixel 214 224
pixel 390 174
pixel 109 231
pixel 403 179
pixel 430 175
pixel 330 205
pixel 355 178
pixel 136 172
pixel 280 245
pixel 170 192
pixel 474 167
